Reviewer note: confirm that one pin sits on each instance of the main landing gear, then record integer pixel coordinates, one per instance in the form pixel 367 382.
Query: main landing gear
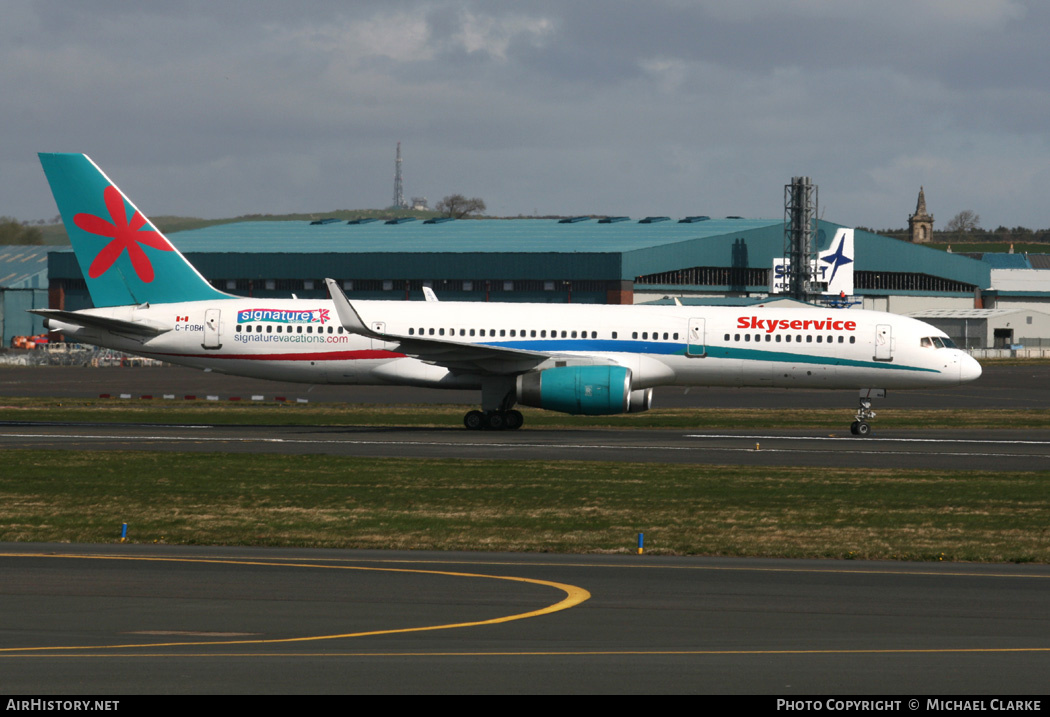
pixel 494 420
pixel 861 427
pixel 498 395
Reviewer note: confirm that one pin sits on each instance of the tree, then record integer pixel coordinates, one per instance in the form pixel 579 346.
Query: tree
pixel 965 221
pixel 458 206
pixel 14 232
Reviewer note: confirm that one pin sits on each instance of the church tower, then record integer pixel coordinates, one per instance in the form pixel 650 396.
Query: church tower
pixel 920 223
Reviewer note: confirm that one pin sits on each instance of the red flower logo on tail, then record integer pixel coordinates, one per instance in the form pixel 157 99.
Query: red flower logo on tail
pixel 125 235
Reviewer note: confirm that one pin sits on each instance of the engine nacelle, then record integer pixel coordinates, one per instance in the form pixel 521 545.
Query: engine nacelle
pixel 641 400
pixel 587 390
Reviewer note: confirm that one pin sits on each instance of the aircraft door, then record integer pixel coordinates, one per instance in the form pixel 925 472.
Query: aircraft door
pixel 883 342
pixel 212 329
pixel 378 344
pixel 695 346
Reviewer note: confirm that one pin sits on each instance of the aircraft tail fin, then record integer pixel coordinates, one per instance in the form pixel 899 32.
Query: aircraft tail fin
pixel 123 257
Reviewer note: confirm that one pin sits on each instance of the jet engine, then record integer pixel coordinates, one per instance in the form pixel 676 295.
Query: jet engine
pixel 587 390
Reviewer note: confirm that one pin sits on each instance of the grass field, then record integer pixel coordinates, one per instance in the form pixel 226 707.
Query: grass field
pixel 325 501
pixel 557 506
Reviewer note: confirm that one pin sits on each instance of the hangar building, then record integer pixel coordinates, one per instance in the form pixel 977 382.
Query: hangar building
pixel 584 260
pixel 546 261
pixel 23 286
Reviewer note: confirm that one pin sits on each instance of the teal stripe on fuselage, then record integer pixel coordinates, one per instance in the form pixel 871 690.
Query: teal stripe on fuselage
pixel 671 349
pixel 786 357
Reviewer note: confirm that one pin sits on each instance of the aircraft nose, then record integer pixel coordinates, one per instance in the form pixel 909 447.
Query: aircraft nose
pixel 969 369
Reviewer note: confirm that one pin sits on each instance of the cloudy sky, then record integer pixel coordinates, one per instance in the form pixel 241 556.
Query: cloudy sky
pixel 668 107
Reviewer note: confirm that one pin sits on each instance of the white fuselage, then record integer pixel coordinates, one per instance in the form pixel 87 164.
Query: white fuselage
pixel 302 340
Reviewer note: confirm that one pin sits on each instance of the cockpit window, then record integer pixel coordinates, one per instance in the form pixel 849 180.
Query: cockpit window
pixel 937 342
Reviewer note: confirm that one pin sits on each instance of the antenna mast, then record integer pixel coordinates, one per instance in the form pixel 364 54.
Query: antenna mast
pixel 399 191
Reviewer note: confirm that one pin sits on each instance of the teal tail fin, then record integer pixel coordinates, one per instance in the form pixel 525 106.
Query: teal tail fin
pixel 123 257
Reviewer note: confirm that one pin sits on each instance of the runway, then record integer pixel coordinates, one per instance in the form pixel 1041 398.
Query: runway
pixel 929 449
pixel 1002 386
pixel 214 620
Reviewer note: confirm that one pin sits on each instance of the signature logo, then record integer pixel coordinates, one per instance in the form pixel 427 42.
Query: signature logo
pixel 284 316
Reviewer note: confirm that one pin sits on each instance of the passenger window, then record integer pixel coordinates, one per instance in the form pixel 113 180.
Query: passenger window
pixel 727 337
pixel 614 334
pixel 853 339
pixel 634 334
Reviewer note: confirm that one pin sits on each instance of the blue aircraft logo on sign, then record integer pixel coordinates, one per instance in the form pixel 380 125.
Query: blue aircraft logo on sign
pixel 837 259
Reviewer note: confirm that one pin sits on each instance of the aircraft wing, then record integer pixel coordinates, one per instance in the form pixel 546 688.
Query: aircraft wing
pixel 449 354
pixel 90 321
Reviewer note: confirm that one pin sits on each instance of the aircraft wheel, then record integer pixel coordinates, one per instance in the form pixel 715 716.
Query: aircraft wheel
pixel 474 420
pixel 497 421
pixel 863 429
pixel 853 427
pixel 514 420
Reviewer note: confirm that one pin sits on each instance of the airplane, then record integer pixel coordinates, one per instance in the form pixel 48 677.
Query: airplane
pixel 581 359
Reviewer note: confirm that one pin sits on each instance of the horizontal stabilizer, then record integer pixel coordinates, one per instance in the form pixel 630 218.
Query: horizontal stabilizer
pixel 91 321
